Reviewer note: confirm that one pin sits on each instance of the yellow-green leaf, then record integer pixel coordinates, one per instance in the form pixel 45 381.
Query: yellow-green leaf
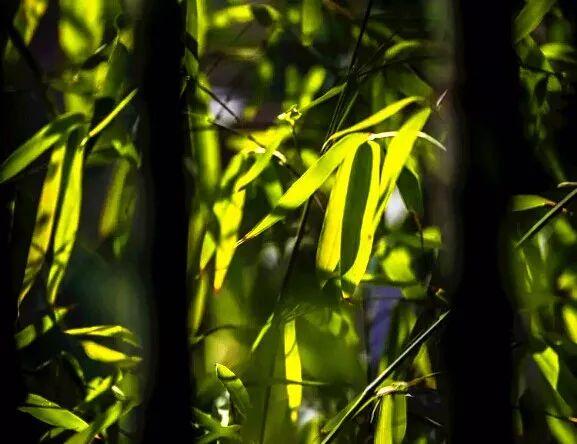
pixel 397 154
pixel 28 334
pixel 51 413
pixel 361 204
pixel 378 117
pixel 311 20
pixel 293 371
pixel 530 17
pixel 523 202
pixel 56 131
pixel 309 182
pixel 235 388
pixel 329 245
pixel 81 28
pixel 106 331
pixel 101 353
pixel 392 422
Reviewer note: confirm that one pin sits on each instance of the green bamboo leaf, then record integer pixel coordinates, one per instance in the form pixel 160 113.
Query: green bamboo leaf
pixel 28 334
pixel 55 132
pixel 293 369
pixel 311 20
pixel 81 28
pixel 397 154
pixel 106 331
pixel 51 413
pixel 111 115
pixel 334 91
pixel 530 17
pixel 101 423
pixel 101 353
pixel 376 118
pixel 215 430
pixel 235 388
pixel 68 217
pixel 561 52
pixel 392 422
pixel 547 218
pixel 361 204
pixel 45 215
pixel 329 245
pixel 523 202
pixel 308 183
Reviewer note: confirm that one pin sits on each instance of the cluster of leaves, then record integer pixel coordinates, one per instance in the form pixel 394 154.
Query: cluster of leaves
pixel 84 379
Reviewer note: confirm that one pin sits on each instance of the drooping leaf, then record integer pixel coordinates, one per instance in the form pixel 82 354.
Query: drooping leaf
pixel 68 217
pixel 311 20
pixel 53 133
pixel 329 245
pixel 309 182
pixel 28 334
pixel 293 370
pixel 392 422
pixel 398 152
pixel 235 388
pixel 530 17
pixel 51 413
pixel 106 331
pixel 361 204
pixel 376 118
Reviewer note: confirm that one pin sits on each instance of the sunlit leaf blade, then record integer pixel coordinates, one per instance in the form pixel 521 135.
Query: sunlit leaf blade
pixel 102 422
pixel 398 152
pixel 311 20
pixel 98 352
pixel 361 204
pixel 392 422
pixel 51 413
pixel 546 218
pixel 523 202
pixel 329 245
pixel 235 388
pixel 376 118
pixel 420 134
pixel 55 132
pixel 68 218
pixel 530 17
pixel 334 91
pixel 214 429
pixel 106 331
pixel 308 183
pixel 293 370
pixel 81 28
pixel 28 334
pixel 112 114
pixel 45 215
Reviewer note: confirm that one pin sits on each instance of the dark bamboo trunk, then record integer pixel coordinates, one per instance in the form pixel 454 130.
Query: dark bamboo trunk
pixel 167 416
pixel 479 335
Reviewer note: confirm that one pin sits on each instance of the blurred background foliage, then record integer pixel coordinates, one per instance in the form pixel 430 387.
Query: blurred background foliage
pixel 320 163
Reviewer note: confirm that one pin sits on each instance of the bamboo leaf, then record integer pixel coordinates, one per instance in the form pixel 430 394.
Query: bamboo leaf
pixel 524 202
pixel 235 388
pixel 81 28
pixel 106 331
pixel 293 370
pixel 334 91
pixel 68 217
pixel 376 118
pixel 98 352
pixel 397 154
pixel 530 17
pixel 51 413
pixel 102 422
pixel 55 132
pixel 28 334
pixel 308 183
pixel 392 422
pixel 329 245
pixel 311 20
pixel 361 204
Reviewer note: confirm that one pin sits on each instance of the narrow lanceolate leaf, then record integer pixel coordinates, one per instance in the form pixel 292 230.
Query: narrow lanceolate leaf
pixel 112 114
pixel 235 388
pixel 106 331
pixel 361 204
pixel 311 20
pixel 51 413
pixel 329 246
pixel 334 91
pixel 28 334
pixel 392 422
pixel 376 118
pixel 293 369
pixel 229 213
pixel 309 182
pixel 45 215
pixel 98 352
pixel 68 218
pixel 55 132
pixel 524 202
pixel 397 154
pixel 530 17
pixel 111 415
